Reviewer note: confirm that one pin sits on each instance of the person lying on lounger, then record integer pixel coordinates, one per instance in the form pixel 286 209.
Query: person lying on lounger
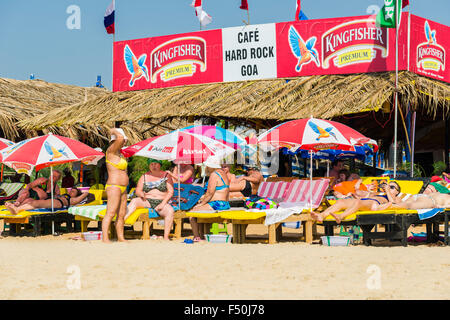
pixel 434 196
pixel 371 201
pixel 75 196
pixel 39 189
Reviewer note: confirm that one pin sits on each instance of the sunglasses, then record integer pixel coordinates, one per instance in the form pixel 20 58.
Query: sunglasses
pixel 393 188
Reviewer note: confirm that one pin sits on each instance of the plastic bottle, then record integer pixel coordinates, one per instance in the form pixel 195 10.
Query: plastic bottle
pixel 351 234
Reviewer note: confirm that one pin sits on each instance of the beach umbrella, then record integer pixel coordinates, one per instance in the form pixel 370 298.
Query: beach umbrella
pixel 47 151
pixel 4 143
pixel 313 135
pixel 180 147
pixel 222 135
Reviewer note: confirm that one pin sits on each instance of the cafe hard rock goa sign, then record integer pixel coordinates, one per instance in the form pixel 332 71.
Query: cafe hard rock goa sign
pixel 281 50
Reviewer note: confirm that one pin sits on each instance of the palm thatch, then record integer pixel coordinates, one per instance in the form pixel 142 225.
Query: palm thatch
pixel 21 100
pixel 324 97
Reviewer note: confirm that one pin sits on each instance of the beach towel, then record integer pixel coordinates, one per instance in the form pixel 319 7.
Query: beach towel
pixel 257 202
pixel 91 212
pixel 152 213
pixel 279 214
pixel 189 197
pixel 429 213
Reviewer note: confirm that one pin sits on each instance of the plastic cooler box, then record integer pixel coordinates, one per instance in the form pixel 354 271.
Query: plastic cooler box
pixel 335 241
pixel 92 235
pixel 218 238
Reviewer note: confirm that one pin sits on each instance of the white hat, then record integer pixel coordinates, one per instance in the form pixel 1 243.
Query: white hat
pixel 113 136
pixel 212 163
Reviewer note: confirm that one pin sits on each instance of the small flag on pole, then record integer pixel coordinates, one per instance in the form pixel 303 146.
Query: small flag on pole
pixel 299 15
pixel 109 18
pixel 387 15
pixel 202 16
pixel 244 5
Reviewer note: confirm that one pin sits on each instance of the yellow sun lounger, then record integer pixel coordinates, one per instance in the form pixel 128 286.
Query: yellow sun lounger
pixel 396 224
pixel 240 218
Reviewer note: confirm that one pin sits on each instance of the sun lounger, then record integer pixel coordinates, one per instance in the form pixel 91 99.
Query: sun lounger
pixel 38 218
pixel 295 193
pixel 87 214
pixel 11 189
pixel 396 222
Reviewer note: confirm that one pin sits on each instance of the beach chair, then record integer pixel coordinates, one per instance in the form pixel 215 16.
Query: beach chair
pixel 12 190
pixel 396 222
pixel 39 219
pixel 288 193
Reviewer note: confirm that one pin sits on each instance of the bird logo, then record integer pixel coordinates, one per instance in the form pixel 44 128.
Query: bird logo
pixel 136 67
pixel 321 132
pixel 55 153
pixel 304 52
pixel 430 34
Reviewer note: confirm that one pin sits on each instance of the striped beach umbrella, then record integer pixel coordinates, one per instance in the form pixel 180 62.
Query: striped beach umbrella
pixel 4 143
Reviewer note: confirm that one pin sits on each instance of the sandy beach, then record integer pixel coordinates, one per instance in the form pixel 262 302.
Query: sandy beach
pixel 49 267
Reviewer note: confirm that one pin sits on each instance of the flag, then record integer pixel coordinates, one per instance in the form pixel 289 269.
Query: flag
pixel 299 15
pixel 244 5
pixel 109 18
pixel 203 17
pixel 387 15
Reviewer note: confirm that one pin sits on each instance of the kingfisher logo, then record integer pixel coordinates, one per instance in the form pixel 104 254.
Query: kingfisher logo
pixel 354 42
pixel 178 58
pixel 304 52
pixel 136 67
pixel 430 55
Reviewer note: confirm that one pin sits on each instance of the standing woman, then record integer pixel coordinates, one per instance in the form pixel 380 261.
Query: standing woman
pixel 116 185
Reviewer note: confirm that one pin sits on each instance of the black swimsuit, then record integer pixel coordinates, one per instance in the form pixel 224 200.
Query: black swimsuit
pixel 247 191
pixel 62 203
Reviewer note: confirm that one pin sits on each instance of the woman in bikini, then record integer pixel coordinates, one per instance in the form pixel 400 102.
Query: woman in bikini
pixel 60 201
pixel 434 196
pixel 186 174
pixel 116 185
pixel 370 202
pixel 154 190
pixel 216 196
pixel 246 186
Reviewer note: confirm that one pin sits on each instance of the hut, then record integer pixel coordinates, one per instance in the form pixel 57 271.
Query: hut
pixel 363 101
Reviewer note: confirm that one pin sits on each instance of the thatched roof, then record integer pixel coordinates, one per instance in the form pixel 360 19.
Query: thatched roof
pixel 324 97
pixel 21 100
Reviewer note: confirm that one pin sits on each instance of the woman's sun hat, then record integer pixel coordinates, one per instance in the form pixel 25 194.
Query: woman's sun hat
pixel 435 179
pixel 212 163
pixel 151 160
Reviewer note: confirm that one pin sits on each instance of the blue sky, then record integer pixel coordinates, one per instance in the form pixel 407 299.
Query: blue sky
pixel 35 39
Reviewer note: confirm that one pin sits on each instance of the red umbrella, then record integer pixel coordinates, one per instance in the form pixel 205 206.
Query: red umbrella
pixel 4 143
pixel 314 135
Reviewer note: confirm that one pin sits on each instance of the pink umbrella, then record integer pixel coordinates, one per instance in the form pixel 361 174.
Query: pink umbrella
pixel 47 151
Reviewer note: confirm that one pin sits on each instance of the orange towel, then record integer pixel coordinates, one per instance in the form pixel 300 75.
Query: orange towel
pixel 346 187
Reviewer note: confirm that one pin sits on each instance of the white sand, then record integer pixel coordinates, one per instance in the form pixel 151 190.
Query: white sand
pixel 37 268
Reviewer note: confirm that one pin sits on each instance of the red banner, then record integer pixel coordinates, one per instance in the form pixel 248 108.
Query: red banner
pixel 289 49
pixel 337 46
pixel 428 56
pixel 168 61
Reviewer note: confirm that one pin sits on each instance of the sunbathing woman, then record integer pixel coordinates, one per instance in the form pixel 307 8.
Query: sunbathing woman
pixel 370 201
pixel 186 174
pixel 116 186
pixel 434 196
pixel 215 198
pixel 246 185
pixel 154 190
pixel 60 201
